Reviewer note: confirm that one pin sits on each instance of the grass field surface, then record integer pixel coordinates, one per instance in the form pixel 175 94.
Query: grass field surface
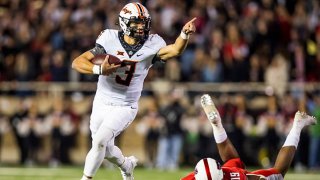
pixel 74 173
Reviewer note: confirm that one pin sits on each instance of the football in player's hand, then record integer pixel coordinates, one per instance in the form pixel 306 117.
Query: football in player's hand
pixel 98 59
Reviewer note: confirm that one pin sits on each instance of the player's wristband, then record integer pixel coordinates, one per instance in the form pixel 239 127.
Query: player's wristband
pixel 97 69
pixel 183 35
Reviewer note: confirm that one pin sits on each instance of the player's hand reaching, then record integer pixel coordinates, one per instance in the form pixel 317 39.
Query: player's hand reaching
pixel 189 27
pixel 107 68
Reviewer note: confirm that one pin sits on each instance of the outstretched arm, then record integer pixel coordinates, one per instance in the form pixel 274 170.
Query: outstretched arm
pixel 180 44
pixel 225 147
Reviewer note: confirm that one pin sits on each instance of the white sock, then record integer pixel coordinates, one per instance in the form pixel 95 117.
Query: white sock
pixel 219 133
pixel 293 137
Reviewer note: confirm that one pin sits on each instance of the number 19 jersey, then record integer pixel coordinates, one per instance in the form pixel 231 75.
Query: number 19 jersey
pixel 124 86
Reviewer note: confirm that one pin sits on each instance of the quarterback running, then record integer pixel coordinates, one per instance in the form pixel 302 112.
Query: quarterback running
pixel 119 86
pixel 233 168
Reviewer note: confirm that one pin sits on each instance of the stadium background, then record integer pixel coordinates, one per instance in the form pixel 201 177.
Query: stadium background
pixel 259 58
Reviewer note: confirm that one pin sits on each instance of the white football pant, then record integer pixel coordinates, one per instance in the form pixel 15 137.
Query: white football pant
pixel 106 122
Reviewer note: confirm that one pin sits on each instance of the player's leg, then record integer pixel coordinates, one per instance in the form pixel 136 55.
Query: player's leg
pixel 126 164
pixel 103 147
pixel 287 152
pixel 97 152
pixel 104 129
pixel 225 147
pixel 93 158
pixel 120 118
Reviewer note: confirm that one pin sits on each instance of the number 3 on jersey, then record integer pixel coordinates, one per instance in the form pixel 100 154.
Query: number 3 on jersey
pixel 130 68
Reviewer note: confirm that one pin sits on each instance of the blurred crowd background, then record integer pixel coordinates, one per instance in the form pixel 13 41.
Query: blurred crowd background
pixel 270 42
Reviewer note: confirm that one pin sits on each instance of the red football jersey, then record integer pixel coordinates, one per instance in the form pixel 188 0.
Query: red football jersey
pixel 234 169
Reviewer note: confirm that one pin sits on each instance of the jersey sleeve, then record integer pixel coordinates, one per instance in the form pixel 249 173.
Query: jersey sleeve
pixel 160 43
pixel 271 173
pixel 189 177
pixel 102 42
pixel 236 162
pixel 102 38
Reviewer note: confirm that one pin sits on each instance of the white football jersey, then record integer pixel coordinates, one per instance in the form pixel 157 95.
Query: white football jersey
pixel 125 85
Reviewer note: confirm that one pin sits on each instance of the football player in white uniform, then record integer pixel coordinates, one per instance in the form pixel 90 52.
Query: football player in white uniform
pixel 119 86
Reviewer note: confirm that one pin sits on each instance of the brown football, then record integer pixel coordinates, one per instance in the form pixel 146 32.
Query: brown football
pixel 98 59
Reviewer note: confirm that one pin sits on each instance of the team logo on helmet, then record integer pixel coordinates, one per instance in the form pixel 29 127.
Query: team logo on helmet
pixel 126 11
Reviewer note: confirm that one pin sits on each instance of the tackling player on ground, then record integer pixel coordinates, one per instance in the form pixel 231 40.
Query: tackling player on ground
pixel 233 168
pixel 119 86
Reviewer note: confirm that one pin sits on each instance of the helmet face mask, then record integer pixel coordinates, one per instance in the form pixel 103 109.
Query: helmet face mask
pixel 139 28
pixel 135 21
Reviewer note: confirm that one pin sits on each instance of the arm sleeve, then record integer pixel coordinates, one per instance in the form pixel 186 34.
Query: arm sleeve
pixel 98 49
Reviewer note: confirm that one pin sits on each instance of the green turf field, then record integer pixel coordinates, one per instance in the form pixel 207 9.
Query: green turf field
pixel 74 173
